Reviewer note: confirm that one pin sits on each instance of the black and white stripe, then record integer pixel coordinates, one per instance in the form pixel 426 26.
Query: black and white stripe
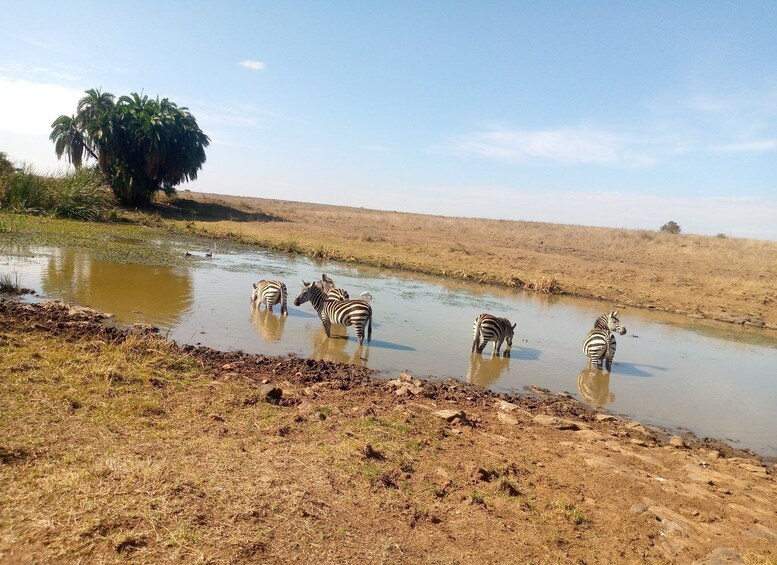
pixel 355 313
pixel 270 293
pixel 490 328
pixel 332 292
pixel 599 345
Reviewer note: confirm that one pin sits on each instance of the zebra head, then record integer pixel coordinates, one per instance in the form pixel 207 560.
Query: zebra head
pixel 330 289
pixel 614 324
pixel 304 296
pixel 509 333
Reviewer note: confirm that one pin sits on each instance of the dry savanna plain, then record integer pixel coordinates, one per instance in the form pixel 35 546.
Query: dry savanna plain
pixel 721 278
pixel 119 446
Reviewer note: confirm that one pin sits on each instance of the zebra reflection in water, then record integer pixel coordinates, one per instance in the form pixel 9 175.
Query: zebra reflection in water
pixel 485 371
pixel 269 324
pixel 594 387
pixel 335 349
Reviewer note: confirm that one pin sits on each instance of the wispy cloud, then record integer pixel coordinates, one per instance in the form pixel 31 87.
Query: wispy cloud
pixel 252 65
pixel 755 146
pixel 30 107
pixel 564 145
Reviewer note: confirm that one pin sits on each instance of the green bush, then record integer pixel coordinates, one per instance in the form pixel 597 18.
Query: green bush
pixel 80 195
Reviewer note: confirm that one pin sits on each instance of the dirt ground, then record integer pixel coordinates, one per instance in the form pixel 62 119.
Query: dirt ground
pixel 717 278
pixel 118 446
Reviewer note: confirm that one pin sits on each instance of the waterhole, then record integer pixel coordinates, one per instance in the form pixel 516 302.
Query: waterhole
pixel 713 380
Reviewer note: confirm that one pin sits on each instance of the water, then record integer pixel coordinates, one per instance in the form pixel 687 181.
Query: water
pixel 664 374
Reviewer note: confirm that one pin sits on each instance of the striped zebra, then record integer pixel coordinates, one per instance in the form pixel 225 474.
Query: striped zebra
pixel 490 328
pixel 332 292
pixel 270 293
pixel 355 313
pixel 599 345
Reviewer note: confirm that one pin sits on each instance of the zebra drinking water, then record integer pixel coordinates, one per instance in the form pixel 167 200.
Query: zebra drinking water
pixel 599 345
pixel 490 328
pixel 270 293
pixel 355 313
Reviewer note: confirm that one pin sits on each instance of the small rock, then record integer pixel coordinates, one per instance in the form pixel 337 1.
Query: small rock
pixel 451 415
pixel 505 406
pixel 606 418
pixel 713 454
pixel 677 442
pixel 270 393
pixel 555 422
pixel 506 419
pixel 720 556
pixel 640 442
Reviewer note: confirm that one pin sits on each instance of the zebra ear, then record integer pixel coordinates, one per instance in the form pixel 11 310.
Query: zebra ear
pixel 614 313
pixel 254 285
pixel 515 324
pixel 304 283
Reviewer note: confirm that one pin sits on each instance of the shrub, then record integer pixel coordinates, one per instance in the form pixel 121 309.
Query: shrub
pixel 671 227
pixel 80 195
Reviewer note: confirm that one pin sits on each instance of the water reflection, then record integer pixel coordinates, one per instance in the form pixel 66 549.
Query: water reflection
pixel 152 294
pixel 333 348
pixel 594 387
pixel 484 371
pixel 269 324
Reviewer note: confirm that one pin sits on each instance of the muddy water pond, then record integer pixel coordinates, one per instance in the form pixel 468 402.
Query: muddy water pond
pixel 713 380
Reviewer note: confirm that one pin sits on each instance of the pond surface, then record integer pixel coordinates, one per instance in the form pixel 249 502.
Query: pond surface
pixel 706 379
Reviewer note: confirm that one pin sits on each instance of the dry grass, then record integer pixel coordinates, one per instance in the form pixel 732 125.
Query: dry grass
pixel 721 278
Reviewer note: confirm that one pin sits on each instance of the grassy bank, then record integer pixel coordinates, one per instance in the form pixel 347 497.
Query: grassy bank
pixel 121 447
pixel 726 279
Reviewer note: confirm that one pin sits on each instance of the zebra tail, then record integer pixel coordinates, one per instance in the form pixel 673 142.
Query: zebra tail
pixel 476 341
pixel 284 307
pixel 369 328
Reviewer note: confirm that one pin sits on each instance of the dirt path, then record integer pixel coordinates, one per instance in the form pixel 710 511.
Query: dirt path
pixel 118 446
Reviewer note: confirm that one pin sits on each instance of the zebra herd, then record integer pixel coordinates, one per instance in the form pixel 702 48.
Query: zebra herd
pixel 334 306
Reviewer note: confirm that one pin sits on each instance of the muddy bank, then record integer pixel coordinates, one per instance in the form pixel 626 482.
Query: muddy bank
pixel 78 322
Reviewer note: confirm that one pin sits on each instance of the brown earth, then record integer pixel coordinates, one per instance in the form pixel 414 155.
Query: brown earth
pixel 118 446
pixel 718 278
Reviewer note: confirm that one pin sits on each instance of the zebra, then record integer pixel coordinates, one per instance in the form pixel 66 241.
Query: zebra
pixel 490 328
pixel 332 292
pixel 270 293
pixel 355 313
pixel 599 345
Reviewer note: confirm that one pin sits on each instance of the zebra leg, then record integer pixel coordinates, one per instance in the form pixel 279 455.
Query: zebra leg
pixel 482 346
pixel 269 305
pixel 327 325
pixel 360 333
pixel 497 347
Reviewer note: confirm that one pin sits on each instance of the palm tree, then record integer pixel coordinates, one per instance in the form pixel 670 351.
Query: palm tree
pixel 68 140
pixel 142 145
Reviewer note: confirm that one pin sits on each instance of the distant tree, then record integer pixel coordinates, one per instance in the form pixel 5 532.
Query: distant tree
pixel 671 227
pixel 6 166
pixel 141 145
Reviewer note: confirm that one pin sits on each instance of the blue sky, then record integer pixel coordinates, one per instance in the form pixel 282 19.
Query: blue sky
pixel 623 114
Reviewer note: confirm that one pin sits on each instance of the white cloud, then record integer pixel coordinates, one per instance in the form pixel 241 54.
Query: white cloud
pixel 378 148
pixel 755 146
pixel 252 65
pixel 564 145
pixel 29 107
